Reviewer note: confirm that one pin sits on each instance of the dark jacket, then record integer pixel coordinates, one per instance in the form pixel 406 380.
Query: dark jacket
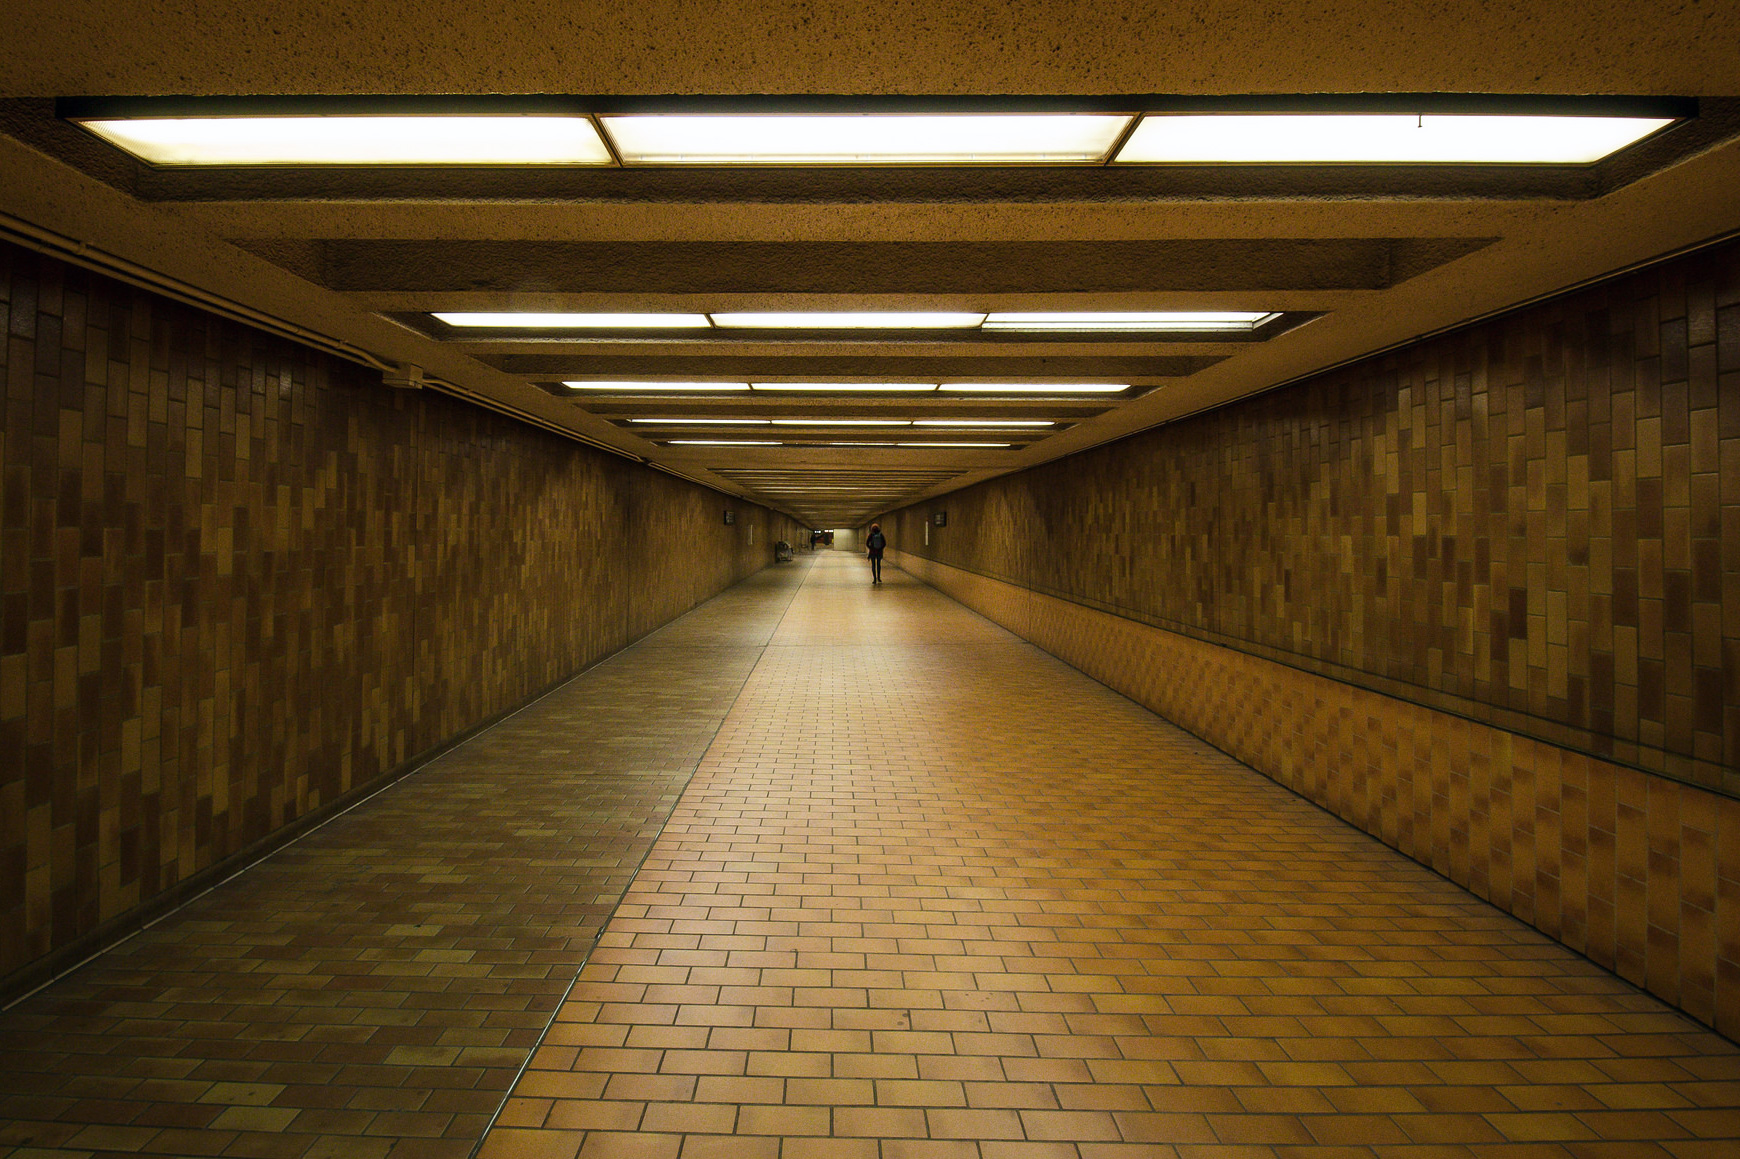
pixel 876 542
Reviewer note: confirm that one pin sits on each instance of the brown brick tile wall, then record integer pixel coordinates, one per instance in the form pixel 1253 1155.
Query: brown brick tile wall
pixel 1472 595
pixel 239 578
pixel 1534 522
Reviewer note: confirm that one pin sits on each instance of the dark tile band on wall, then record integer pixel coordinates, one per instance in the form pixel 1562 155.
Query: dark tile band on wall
pixel 1533 522
pixel 240 580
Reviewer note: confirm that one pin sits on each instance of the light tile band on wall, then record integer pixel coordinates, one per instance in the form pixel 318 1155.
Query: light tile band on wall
pixel 1638 872
pixel 239 579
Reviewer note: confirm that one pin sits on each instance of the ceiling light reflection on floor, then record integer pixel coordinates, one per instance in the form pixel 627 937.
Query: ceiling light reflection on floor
pixel 864 139
pixel 1390 138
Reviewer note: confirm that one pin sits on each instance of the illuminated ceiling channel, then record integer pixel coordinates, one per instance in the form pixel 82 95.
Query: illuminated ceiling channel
pixel 1436 129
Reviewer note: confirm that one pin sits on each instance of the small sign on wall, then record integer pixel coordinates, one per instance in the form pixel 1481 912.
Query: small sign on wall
pixel 941 518
pixel 730 516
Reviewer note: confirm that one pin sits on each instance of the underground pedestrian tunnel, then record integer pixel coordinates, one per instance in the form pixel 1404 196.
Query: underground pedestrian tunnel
pixel 1300 717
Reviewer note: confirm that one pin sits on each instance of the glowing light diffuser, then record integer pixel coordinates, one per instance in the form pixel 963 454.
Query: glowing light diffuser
pixel 358 140
pixel 704 422
pixel 511 321
pixel 846 387
pixel 625 387
pixel 1396 139
pixel 864 139
pixel 857 320
pixel 983 423
pixel 1035 387
pixel 1130 321
pixel 842 422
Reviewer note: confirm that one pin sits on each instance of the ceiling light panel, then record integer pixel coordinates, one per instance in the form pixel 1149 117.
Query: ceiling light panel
pixel 865 139
pixel 531 321
pixel 631 387
pixel 842 422
pixel 704 422
pixel 854 320
pixel 1169 321
pixel 847 387
pixel 1003 423
pixel 724 442
pixel 954 444
pixel 357 140
pixel 1367 138
pixel 1035 387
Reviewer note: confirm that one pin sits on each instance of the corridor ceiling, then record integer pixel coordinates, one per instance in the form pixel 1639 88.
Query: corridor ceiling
pixel 1339 260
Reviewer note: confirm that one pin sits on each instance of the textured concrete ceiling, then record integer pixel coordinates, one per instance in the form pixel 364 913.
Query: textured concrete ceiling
pixel 1364 258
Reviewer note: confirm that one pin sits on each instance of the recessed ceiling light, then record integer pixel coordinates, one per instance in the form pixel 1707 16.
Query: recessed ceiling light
pixel 1367 138
pixel 357 140
pixel 626 387
pixel 954 444
pixel 704 422
pixel 838 443
pixel 850 320
pixel 864 139
pixel 846 387
pixel 1206 321
pixel 1036 387
pixel 511 321
pixel 724 443
pixel 842 422
pixel 983 423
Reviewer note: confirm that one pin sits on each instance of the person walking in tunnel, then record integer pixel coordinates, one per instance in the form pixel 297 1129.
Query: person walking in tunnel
pixel 876 542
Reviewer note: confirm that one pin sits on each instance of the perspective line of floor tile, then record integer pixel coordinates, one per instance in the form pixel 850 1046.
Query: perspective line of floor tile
pixel 373 989
pixel 932 894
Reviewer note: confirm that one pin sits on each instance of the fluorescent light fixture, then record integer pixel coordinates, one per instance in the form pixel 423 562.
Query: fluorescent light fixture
pixel 850 320
pixel 507 321
pixel 953 444
pixel 517 139
pixel 1133 321
pixel 1368 138
pixel 724 443
pixel 842 422
pixel 1036 387
pixel 983 423
pixel 837 443
pixel 704 422
pixel 864 139
pixel 846 387
pixel 627 387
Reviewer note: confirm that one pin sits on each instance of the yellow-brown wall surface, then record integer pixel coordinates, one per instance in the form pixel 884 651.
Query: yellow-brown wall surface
pixel 1478 595
pixel 240 579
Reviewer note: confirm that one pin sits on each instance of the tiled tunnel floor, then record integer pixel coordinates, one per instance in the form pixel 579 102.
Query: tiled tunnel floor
pixel 931 893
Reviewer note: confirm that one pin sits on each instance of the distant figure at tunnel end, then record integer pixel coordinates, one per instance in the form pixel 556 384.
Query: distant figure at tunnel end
pixel 876 542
